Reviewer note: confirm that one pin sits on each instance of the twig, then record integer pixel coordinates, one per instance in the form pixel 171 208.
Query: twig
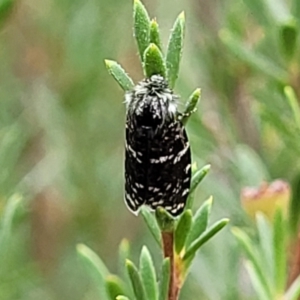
pixel 168 242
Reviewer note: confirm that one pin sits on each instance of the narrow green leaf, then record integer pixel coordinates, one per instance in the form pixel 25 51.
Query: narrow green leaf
pixel 95 268
pixel 247 245
pixel 293 292
pixel 182 229
pixel 279 242
pixel 296 9
pixel 119 75
pixel 198 177
pixel 114 286
pixel 256 282
pixel 154 62
pixel 154 34
pixel 253 59
pixel 164 280
pixel 200 222
pixel 266 244
pixel 174 50
pixel 136 281
pixel 141 27
pixel 7 218
pixel 148 274
pixel 6 7
pixel 294 103
pixel 206 236
pixel 152 224
pixel 121 297
pixel 124 249
pixel 191 105
pixel 165 221
pixel 288 33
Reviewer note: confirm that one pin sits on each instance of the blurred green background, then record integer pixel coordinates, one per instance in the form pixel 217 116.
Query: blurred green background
pixel 62 132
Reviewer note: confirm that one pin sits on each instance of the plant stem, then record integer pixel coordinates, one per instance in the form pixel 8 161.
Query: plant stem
pixel 168 247
pixel 295 262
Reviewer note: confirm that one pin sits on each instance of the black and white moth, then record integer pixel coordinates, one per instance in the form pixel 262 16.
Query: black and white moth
pixel 157 150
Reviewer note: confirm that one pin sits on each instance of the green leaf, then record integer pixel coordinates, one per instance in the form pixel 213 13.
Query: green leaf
pixel 148 275
pixel 296 9
pixel 7 218
pixel 198 177
pixel 152 224
pixel 119 75
pixel 200 222
pixel 154 62
pixel 155 35
pixel 95 268
pixel 191 105
pixel 164 280
pixel 206 236
pixel 279 243
pixel 121 297
pixel 256 282
pixel 247 245
pixel 288 33
pixel 124 249
pixel 294 103
pixel 174 50
pixel 141 27
pixel 136 281
pixel 6 7
pixel 114 286
pixel 253 59
pixel 182 229
pixel 165 221
pixel 266 243
pixel 293 291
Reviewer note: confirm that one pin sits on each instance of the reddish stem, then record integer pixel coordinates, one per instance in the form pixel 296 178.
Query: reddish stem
pixel 295 262
pixel 168 242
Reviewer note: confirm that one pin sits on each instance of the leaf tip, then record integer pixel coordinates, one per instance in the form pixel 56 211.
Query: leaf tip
pixel 108 62
pixel 128 262
pixel 207 168
pixel 181 16
pixel 80 248
pixel 154 23
pixel 226 220
pixel 197 92
pixel 210 200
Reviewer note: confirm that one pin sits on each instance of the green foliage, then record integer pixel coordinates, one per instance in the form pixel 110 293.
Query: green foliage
pixel 174 50
pixel 267 258
pixel 148 40
pixel 7 218
pixel 141 27
pixel 154 62
pixel 165 278
pixel 148 274
pixel 152 224
pixel 183 229
pixel 155 35
pixel 203 238
pixel 119 75
pixel 62 128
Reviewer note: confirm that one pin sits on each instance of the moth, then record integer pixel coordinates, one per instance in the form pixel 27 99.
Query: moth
pixel 157 149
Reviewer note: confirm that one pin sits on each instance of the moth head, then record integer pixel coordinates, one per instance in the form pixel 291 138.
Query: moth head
pixel 152 98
